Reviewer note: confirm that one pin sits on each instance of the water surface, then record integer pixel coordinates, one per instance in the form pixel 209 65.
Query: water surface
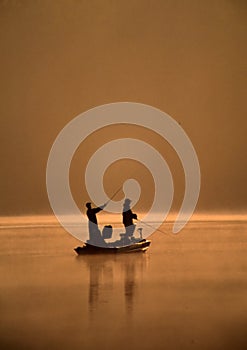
pixel 188 291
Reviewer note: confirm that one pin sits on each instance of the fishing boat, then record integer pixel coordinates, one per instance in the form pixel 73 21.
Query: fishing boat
pixel 139 246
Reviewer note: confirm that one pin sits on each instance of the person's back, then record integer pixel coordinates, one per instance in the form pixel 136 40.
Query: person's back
pixel 95 237
pixel 128 217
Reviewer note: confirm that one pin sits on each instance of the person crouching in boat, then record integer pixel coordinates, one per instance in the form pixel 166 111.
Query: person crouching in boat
pixel 128 217
pixel 95 237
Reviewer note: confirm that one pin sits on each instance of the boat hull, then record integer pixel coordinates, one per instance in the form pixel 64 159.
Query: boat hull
pixel 141 246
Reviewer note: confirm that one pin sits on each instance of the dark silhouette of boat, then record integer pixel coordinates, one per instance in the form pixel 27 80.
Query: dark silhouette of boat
pixel 138 246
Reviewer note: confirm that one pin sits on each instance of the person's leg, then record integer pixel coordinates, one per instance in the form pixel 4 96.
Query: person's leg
pixel 130 230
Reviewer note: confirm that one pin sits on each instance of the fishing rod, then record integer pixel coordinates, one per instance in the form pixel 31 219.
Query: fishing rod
pixel 151 226
pixel 115 194
pixel 156 229
pixel 109 200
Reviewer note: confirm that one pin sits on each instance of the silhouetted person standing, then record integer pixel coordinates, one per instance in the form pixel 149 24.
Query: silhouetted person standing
pixel 128 217
pixel 94 232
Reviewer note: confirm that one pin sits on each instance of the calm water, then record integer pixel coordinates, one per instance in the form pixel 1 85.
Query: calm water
pixel 187 292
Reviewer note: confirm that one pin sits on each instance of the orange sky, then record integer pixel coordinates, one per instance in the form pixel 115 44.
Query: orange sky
pixel 60 58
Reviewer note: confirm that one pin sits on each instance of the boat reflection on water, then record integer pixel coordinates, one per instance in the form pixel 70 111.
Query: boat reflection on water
pixel 114 279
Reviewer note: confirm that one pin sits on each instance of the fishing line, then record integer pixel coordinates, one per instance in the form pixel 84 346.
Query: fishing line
pixel 156 229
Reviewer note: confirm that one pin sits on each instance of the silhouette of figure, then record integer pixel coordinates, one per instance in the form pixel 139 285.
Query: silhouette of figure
pixel 128 217
pixel 94 232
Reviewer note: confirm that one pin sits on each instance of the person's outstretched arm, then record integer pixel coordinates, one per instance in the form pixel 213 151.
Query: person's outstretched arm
pixel 96 210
